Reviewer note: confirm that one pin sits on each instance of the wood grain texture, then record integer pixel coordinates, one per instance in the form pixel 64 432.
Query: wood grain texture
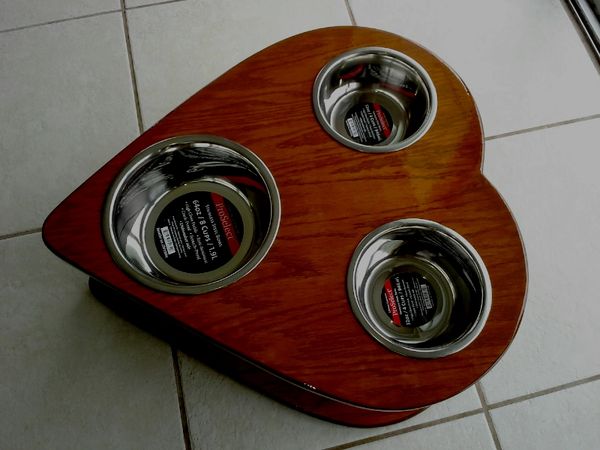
pixel 291 314
pixel 237 367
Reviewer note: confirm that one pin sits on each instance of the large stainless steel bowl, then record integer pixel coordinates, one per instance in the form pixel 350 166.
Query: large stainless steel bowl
pixel 191 214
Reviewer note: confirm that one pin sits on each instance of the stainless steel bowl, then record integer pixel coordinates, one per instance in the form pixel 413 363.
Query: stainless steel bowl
pixel 191 214
pixel 419 288
pixel 374 99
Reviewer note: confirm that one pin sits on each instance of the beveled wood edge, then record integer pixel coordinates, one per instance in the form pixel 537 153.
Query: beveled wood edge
pixel 247 372
pixel 480 174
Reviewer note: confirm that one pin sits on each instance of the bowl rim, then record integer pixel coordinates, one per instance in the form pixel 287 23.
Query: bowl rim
pixel 164 146
pixel 438 351
pixel 324 75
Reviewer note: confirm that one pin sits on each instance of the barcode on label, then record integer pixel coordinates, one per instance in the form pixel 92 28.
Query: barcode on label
pixel 426 296
pixel 166 234
pixel 352 127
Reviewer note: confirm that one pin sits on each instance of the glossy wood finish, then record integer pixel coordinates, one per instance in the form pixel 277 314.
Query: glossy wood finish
pixel 238 367
pixel 291 315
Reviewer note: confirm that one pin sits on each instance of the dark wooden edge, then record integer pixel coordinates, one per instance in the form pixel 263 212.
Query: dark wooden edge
pixel 238 368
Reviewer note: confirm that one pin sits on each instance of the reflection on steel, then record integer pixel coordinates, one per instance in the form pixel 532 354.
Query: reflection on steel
pixel 454 276
pixel 374 99
pixel 172 168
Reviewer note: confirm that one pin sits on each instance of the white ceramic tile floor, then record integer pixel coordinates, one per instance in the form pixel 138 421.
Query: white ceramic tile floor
pixel 464 434
pixel 215 403
pixel 564 419
pixel 523 60
pixel 136 3
pixel 74 375
pixel 203 39
pixel 66 104
pixel 15 14
pixel 549 178
pixel 77 376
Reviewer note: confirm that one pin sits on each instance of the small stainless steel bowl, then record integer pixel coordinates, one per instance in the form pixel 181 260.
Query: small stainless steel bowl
pixel 191 214
pixel 419 288
pixel 374 99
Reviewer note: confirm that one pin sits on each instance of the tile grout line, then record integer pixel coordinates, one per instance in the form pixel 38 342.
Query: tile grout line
pixel 543 392
pixel 350 13
pixel 87 16
pixel 20 233
pixel 543 127
pixel 136 95
pixel 406 430
pixel 52 22
pixel 486 407
pixel 181 400
pixel 488 416
pixel 166 2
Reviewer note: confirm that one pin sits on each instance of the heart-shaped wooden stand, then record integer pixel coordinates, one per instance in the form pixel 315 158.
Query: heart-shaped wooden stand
pixel 287 328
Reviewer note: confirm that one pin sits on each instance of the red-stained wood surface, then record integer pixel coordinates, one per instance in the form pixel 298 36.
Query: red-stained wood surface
pixel 236 366
pixel 291 316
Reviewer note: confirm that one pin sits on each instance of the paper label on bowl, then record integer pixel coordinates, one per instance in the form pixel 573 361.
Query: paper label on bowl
pixel 198 232
pixel 368 123
pixel 408 299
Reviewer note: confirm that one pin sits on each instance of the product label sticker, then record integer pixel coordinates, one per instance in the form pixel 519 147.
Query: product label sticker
pixel 198 232
pixel 408 299
pixel 368 123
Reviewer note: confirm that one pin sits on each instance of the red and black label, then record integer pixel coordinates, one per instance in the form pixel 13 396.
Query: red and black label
pixel 368 123
pixel 198 232
pixel 408 299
